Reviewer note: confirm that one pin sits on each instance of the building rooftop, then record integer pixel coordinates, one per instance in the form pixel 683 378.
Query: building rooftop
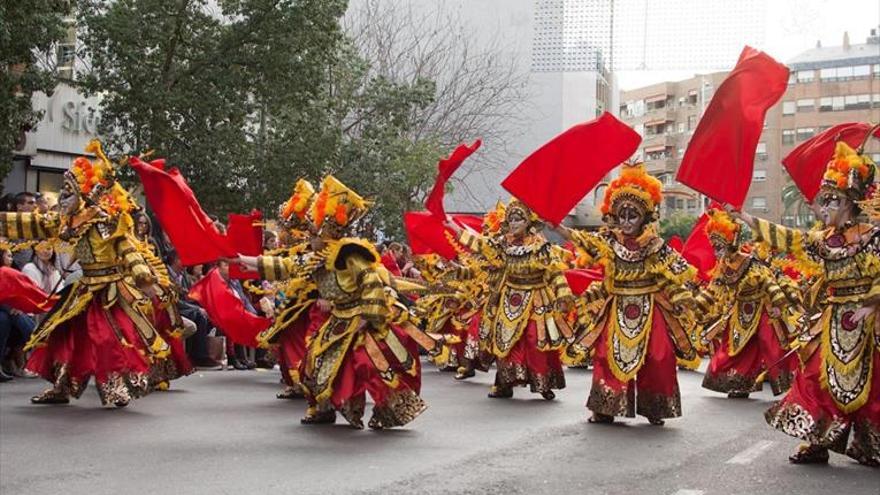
pixel 836 56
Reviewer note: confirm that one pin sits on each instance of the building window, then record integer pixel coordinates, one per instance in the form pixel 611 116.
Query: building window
pixel 825 104
pixel 861 71
pixel 679 204
pixel 805 133
pixel 805 76
pixel 680 127
pixel 759 203
pixel 837 103
pixel 792 77
pixel 875 157
pixel 759 176
pixel 761 151
pixel 788 108
pixel 670 203
pixel 806 105
pixel 876 68
pixel 692 204
pixel 788 136
pixel 692 122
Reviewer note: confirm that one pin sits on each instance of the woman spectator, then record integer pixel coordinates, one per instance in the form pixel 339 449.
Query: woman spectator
pixel 15 329
pixel 43 269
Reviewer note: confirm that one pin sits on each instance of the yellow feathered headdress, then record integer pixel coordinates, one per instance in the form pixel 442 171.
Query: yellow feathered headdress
pixel 337 204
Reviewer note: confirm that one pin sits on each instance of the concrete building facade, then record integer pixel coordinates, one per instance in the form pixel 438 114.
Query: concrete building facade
pixel 827 86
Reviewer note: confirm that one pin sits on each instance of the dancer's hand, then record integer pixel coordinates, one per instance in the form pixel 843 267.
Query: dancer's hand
pixel 563 231
pixel 247 262
pixel 860 314
pixel 774 312
pixel 324 305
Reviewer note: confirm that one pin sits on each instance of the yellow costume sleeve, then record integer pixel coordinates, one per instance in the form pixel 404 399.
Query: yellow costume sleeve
pixel 133 261
pixel 373 305
pixel 28 226
pixel 274 268
pixel 591 244
pixel 779 237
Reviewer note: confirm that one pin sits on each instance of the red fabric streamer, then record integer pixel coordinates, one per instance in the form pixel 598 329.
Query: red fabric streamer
pixel 244 233
pixel 473 221
pixel 806 164
pixel 192 232
pixel 579 279
pixel 19 292
pixel 445 169
pixel 428 235
pixel 390 263
pixel 698 250
pixel 676 243
pixel 718 161
pixel 226 311
pixel 553 179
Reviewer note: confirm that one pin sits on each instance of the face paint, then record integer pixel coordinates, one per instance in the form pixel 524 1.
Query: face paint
pixel 68 199
pixel 516 224
pixel 630 220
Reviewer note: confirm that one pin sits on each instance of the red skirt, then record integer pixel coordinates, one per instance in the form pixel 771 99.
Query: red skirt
pixel 739 373
pixel 526 364
pixel 809 412
pixel 653 393
pixel 357 376
pixel 292 343
pixel 177 364
pixel 100 343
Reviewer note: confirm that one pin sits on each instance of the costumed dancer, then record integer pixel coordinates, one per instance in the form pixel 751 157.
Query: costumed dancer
pixel 745 306
pixel 299 316
pixel 646 297
pixel 365 346
pixel 833 403
pixel 104 325
pixel 524 317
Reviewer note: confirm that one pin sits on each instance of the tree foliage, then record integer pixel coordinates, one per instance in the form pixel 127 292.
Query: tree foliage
pixel 245 96
pixel 29 32
pixel 677 224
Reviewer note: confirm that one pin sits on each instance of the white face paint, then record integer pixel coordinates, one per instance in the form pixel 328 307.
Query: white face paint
pixel 516 224
pixel 835 208
pixel 630 219
pixel 68 199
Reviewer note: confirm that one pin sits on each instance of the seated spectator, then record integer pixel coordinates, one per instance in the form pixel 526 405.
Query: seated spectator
pixel 236 354
pixel 15 330
pixel 197 343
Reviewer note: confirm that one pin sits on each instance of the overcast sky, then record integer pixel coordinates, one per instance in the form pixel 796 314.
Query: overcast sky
pixel 793 26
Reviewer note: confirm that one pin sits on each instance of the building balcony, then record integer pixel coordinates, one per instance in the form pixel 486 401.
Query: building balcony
pixel 662 166
pixel 658 142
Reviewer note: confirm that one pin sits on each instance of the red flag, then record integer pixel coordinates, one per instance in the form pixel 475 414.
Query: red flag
pixel 806 163
pixel 428 235
pixel 472 221
pixel 676 243
pixel 226 311
pixel 190 229
pixel 698 250
pixel 579 279
pixel 244 234
pixel 19 292
pixel 553 179
pixel 718 161
pixel 390 263
pixel 445 169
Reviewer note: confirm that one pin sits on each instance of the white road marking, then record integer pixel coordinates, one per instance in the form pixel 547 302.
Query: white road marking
pixel 751 453
pixel 689 492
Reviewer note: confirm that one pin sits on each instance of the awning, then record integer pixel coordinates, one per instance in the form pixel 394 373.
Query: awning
pixel 659 147
pixel 652 99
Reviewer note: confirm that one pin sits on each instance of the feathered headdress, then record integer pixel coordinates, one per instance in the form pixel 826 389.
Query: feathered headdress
pixel 95 181
pixel 337 205
pixel 293 213
pixel 493 219
pixel 634 185
pixel 849 171
pixel 721 228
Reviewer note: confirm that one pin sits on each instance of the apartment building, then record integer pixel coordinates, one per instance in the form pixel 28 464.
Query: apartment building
pixel 827 86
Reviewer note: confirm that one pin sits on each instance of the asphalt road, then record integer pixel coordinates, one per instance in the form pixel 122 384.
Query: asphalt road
pixel 223 432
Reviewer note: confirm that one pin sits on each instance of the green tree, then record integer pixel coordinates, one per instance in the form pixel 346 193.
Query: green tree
pixel 29 32
pixel 199 84
pixel 677 224
pixel 246 100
